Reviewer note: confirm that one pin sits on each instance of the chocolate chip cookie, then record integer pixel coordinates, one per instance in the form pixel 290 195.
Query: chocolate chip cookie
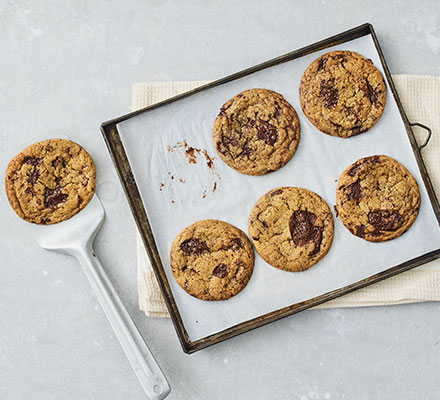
pixel 377 198
pixel 256 132
pixel 291 228
pixel 212 260
pixel 342 93
pixel 50 181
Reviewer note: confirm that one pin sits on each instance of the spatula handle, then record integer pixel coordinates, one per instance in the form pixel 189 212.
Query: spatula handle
pixel 141 359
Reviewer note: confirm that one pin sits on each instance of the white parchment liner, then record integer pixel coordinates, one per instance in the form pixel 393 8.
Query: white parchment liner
pixel 177 193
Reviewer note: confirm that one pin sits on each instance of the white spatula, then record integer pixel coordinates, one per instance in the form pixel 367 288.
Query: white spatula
pixel 75 236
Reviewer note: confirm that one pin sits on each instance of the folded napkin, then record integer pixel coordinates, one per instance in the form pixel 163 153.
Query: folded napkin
pixel 420 97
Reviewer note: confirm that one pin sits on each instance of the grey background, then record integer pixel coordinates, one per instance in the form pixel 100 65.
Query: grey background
pixel 67 66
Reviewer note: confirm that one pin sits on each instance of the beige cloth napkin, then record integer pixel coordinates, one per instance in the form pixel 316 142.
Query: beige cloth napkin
pixel 420 97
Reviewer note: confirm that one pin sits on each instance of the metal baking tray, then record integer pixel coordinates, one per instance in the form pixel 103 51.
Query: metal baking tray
pixel 126 174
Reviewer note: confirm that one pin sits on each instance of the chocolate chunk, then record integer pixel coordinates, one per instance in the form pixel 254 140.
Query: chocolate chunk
pixel 194 247
pixel 220 271
pixel 372 94
pixel 247 151
pixel 303 230
pixel 322 62
pixel 59 161
pixel 240 264
pixel 276 192
pixel 360 230
pixel 385 220
pixel 227 141
pixel 357 130
pixel 224 108
pixel 354 169
pixel 220 148
pixel 278 111
pixel 357 165
pixel 34 175
pixel 264 223
pixel 330 93
pixel 53 197
pixel 372 159
pixel 35 161
pixel 236 244
pixel 340 57
pixel 267 132
pixel 354 191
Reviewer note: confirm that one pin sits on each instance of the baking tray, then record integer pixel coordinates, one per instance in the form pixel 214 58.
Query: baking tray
pixel 126 174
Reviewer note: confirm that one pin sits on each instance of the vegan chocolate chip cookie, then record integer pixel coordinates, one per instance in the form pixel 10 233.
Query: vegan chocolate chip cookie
pixel 342 93
pixel 256 132
pixel 377 198
pixel 291 228
pixel 50 181
pixel 212 260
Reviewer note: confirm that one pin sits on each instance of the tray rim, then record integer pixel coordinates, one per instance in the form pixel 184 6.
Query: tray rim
pixel 120 160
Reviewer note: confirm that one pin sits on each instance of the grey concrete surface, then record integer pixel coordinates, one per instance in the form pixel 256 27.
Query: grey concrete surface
pixel 67 66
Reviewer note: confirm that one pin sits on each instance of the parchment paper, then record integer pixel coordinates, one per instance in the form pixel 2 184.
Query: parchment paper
pixel 177 192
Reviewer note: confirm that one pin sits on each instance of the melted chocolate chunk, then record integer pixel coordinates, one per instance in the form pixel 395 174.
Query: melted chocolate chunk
pixel 53 197
pixel 220 271
pixel 354 169
pixel 357 130
pixel 357 165
pixel 247 151
pixel 264 223
pixel 385 220
pixel 303 230
pixel 267 132
pixel 276 192
pixel 236 244
pixel 223 109
pixel 228 141
pixel 240 264
pixel 360 230
pixel 278 111
pixel 330 93
pixel 33 177
pixel 372 159
pixel 59 161
pixel 372 94
pixel 322 62
pixel 35 161
pixel 354 191
pixel 194 247
pixel 340 57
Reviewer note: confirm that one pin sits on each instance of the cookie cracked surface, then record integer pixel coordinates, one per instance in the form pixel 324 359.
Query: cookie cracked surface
pixel 342 93
pixel 212 260
pixel 291 228
pixel 256 132
pixel 50 181
pixel 377 198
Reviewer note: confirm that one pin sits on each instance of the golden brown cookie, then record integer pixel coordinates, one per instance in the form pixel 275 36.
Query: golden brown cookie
pixel 212 260
pixel 377 198
pixel 291 228
pixel 256 132
pixel 342 93
pixel 50 181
